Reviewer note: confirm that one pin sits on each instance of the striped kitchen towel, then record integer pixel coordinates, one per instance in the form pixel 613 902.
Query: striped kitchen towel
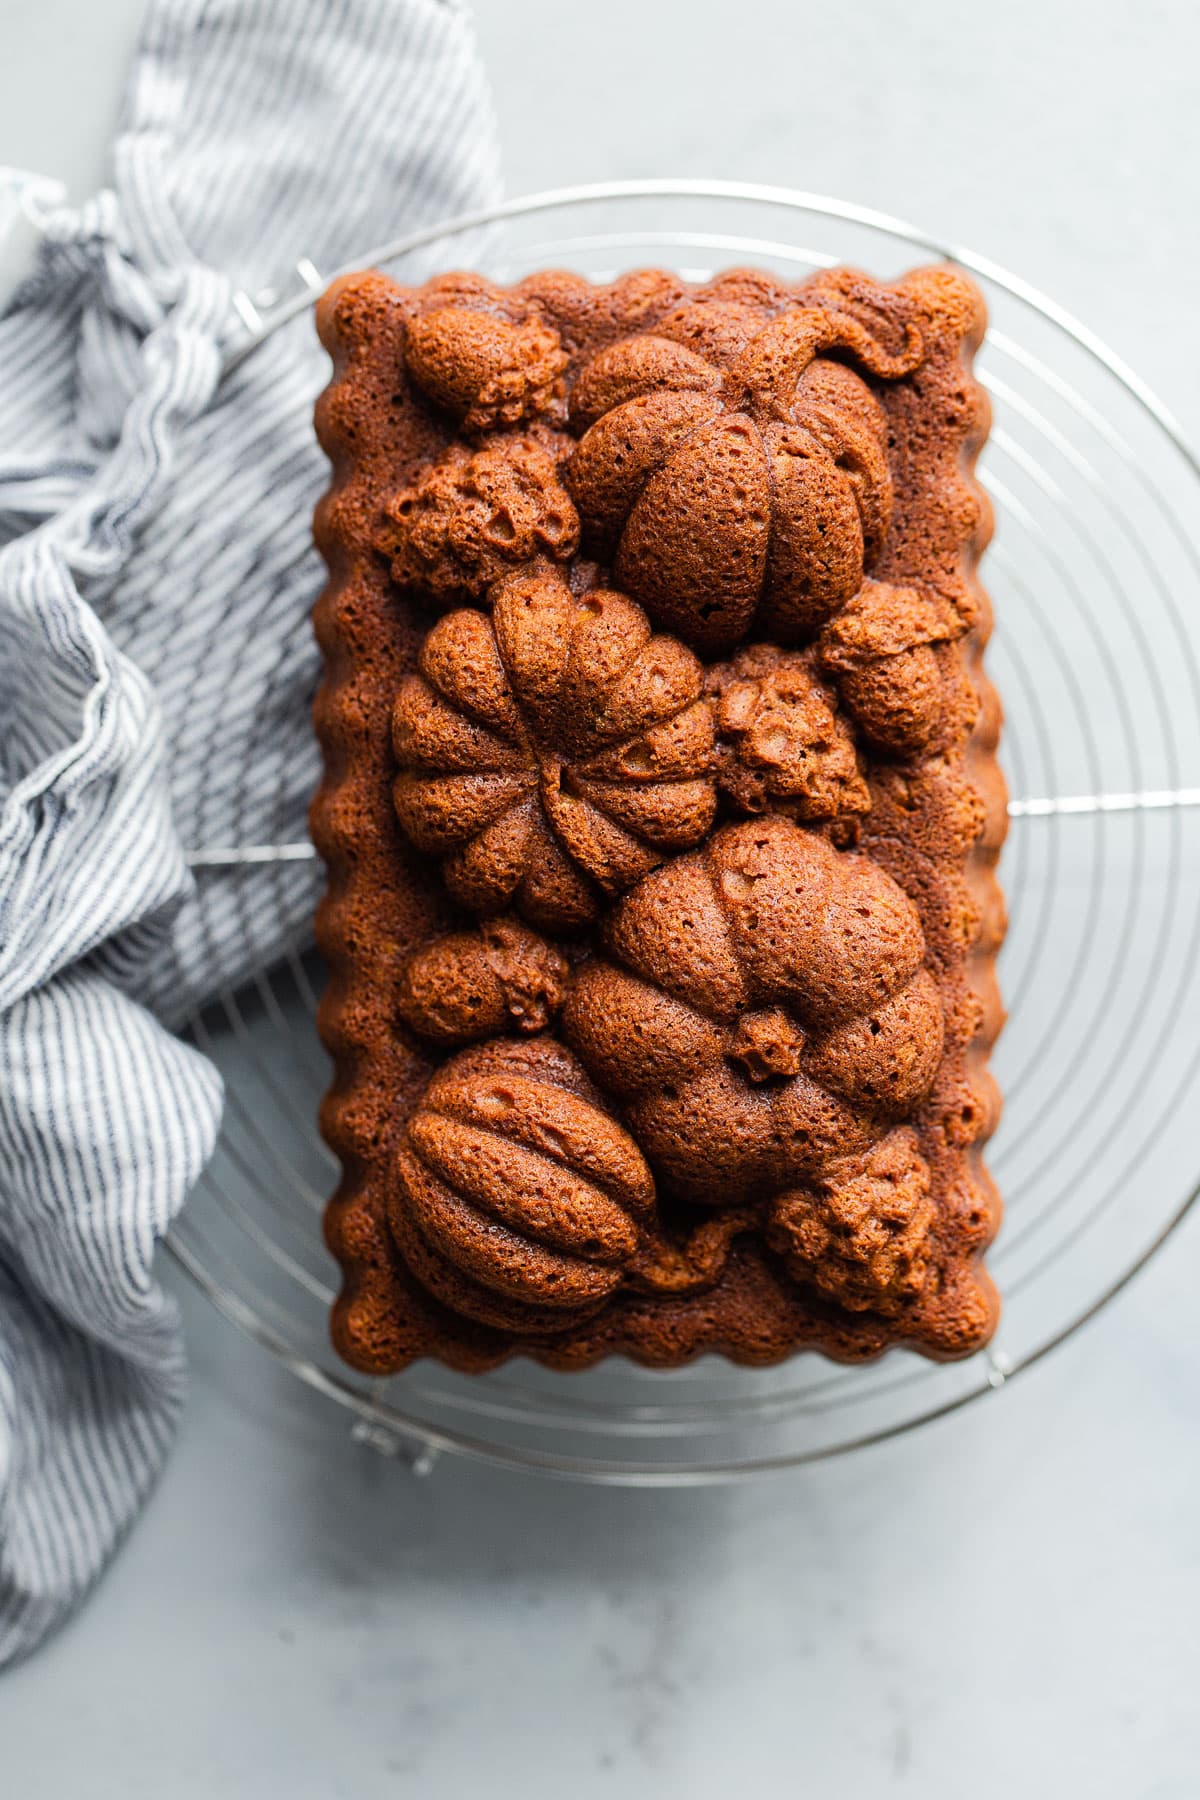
pixel 156 664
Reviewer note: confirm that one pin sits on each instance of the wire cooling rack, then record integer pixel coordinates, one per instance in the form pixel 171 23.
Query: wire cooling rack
pixel 1095 580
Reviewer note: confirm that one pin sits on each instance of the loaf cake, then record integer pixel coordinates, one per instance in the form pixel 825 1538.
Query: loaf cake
pixel 660 812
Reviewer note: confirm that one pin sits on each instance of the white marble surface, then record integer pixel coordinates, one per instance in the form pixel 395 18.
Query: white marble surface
pixel 1005 1603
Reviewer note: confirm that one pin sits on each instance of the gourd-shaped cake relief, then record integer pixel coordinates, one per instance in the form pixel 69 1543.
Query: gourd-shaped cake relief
pixel 678 1015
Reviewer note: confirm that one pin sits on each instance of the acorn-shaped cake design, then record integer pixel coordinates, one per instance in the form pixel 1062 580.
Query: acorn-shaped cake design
pixel 482 509
pixel 889 652
pixel 475 515
pixel 498 977
pixel 732 472
pixel 860 1235
pixel 488 373
pixel 553 752
pixel 761 1012
pixel 781 744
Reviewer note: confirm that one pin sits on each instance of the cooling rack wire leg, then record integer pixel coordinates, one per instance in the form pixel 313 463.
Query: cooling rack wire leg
pixel 419 1458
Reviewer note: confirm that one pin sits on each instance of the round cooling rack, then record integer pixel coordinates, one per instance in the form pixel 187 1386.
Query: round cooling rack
pixel 1095 582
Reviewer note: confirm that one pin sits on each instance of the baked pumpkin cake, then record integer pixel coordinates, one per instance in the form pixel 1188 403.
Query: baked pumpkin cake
pixel 660 813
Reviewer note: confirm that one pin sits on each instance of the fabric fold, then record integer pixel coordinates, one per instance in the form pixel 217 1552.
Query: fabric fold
pixel 156 575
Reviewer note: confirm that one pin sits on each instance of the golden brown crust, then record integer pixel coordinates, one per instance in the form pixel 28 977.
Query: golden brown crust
pixel 880 444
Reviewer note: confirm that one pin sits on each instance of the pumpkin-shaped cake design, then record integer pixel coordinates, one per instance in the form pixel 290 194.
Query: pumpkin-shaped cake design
pixel 519 1200
pixel 553 752
pixel 732 472
pixel 761 1012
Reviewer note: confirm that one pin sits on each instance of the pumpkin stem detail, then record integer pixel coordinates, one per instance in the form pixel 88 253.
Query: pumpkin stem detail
pixel 665 1268
pixel 767 370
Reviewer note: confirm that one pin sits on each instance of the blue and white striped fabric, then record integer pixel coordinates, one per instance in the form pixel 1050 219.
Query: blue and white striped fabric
pixel 156 664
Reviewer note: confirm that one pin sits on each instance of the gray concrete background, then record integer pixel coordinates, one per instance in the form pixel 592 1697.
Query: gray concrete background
pixel 1004 1603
